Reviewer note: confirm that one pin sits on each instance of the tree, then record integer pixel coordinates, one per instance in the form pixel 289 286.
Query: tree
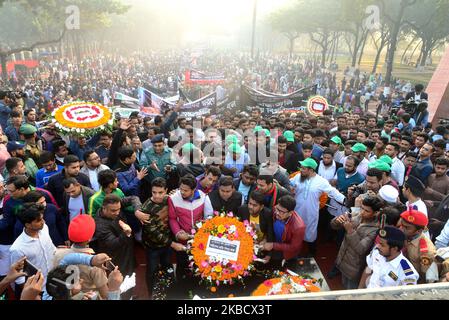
pixel 48 19
pixel 429 22
pixel 322 18
pixel 354 14
pixel 287 23
pixel 398 8
pixel 318 18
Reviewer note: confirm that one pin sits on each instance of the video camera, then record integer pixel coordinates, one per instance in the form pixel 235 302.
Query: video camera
pixel 14 95
pixel 411 106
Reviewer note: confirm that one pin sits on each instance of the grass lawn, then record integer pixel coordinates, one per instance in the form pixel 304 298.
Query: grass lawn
pixel 399 70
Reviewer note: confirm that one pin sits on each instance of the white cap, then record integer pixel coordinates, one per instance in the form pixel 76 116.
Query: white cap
pixel 389 194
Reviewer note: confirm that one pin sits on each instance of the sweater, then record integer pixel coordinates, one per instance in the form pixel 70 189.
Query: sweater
pixel 183 214
pixel 344 183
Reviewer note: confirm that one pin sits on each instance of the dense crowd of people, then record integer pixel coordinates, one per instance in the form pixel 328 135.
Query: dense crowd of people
pixel 378 183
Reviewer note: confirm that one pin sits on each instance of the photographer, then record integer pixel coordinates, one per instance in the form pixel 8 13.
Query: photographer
pixel 418 101
pixel 369 188
pixel 418 94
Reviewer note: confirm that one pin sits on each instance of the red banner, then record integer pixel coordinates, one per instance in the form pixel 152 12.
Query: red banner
pixel 196 77
pixel 30 64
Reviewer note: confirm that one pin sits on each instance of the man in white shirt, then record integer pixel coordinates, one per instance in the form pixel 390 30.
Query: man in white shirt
pixel 414 187
pixel 92 167
pixel 397 167
pixel 34 242
pixel 386 265
pixel 328 167
pixel 359 151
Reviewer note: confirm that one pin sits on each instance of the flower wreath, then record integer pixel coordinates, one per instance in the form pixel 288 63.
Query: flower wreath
pixel 82 118
pixel 286 284
pixel 215 270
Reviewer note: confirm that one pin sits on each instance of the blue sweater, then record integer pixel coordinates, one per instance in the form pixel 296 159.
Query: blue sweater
pixel 344 183
pixel 4 115
pixel 42 176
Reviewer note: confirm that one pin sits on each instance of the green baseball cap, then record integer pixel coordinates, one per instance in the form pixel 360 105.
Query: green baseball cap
pixel 336 140
pixel 235 148
pixel 380 165
pixel 290 136
pixel 188 147
pixel 309 163
pixel 359 147
pixel 232 139
pixel 27 129
pixel 386 159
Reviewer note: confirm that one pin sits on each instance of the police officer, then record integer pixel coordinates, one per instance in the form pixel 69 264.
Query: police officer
pixel 418 247
pixel 386 265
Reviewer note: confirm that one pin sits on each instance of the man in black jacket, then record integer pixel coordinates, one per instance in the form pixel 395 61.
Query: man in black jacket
pixel 76 199
pixel 113 235
pixel 224 199
pixel 71 170
pixel 418 94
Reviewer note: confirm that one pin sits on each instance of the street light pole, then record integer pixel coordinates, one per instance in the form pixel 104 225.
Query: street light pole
pixel 254 28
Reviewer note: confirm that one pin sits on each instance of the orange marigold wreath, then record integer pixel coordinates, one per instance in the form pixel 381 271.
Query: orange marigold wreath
pixel 286 285
pixel 215 270
pixel 82 118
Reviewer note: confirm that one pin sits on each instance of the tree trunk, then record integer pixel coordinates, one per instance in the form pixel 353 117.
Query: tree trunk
pixel 425 54
pixel 292 46
pixel 394 40
pixel 362 50
pixel 355 53
pixel 406 50
pixel 376 60
pixel 3 60
pixel 418 62
pixel 414 50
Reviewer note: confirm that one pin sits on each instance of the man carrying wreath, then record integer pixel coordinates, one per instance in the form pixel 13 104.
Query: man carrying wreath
pixel 289 230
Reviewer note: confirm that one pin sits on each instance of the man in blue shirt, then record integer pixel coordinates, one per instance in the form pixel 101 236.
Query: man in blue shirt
pixel 49 168
pixel 423 168
pixel 5 110
pixel 12 131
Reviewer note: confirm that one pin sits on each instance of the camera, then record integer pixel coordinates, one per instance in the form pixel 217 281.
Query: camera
pixel 357 191
pixel 411 106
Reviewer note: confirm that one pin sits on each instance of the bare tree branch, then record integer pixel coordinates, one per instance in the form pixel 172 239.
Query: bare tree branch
pixel 34 45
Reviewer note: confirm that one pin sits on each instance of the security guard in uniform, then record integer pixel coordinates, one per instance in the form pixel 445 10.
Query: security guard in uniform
pixel 418 247
pixel 386 265
pixel 33 146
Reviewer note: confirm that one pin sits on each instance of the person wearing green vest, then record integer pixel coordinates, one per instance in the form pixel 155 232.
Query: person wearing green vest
pixel 107 179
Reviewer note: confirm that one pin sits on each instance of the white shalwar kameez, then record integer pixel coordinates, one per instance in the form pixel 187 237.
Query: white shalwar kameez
pixel 307 194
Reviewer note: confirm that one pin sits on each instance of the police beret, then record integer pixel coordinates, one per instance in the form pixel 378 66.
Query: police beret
pixel 415 217
pixel 27 129
pixel 158 138
pixel 390 233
